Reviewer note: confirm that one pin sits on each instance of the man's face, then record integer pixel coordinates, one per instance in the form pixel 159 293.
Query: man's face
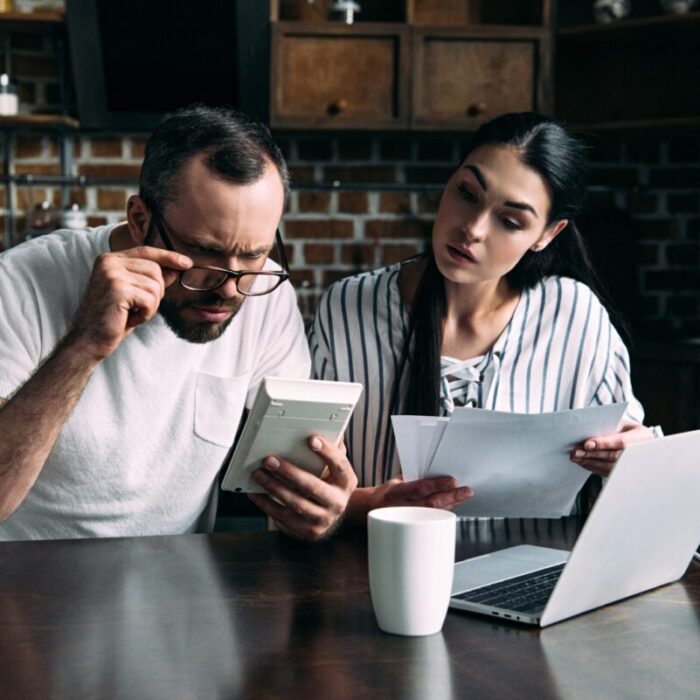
pixel 224 225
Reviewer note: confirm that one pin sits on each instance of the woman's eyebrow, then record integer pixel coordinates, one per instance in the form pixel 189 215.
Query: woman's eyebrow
pixel 478 175
pixel 521 205
pixel 484 186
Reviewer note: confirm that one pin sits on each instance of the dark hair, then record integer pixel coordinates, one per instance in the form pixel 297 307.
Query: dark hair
pixel 547 147
pixel 237 148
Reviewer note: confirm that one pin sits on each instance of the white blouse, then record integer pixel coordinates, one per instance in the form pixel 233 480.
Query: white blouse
pixel 559 351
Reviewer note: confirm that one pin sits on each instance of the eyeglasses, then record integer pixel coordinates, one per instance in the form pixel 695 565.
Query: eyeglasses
pixel 205 278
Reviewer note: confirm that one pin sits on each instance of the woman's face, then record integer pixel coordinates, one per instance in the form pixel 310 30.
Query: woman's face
pixel 492 211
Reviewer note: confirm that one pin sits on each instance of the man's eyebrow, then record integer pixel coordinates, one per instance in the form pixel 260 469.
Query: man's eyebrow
pixel 233 252
pixel 478 175
pixel 242 250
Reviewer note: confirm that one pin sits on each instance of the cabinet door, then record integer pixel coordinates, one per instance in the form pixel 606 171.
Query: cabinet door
pixel 338 77
pixel 462 80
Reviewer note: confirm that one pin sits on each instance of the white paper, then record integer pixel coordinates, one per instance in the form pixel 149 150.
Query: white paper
pixel 517 464
pixel 417 438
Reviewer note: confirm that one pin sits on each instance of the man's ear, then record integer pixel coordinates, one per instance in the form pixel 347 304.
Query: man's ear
pixel 549 235
pixel 138 219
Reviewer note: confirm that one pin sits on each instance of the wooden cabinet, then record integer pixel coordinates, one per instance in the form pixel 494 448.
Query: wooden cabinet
pixel 433 64
pixel 461 78
pixel 640 71
pixel 339 76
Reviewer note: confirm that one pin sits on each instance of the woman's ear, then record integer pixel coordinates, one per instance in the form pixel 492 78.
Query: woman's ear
pixel 138 218
pixel 549 235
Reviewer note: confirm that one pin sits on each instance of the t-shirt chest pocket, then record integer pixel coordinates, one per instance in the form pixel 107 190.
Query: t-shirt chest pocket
pixel 218 405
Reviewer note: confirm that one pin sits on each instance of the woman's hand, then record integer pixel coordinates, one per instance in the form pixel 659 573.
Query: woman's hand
pixel 430 492
pixel 599 454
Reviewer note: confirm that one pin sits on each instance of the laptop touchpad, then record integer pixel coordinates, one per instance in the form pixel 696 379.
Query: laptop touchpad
pixel 504 564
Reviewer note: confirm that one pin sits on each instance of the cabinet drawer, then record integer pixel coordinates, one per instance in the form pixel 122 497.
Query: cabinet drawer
pixel 327 77
pixel 460 82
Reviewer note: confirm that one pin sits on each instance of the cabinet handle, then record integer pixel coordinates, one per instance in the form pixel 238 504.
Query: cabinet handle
pixel 335 108
pixel 474 110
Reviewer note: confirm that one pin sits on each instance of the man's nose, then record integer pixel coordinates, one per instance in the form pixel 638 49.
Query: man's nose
pixel 228 290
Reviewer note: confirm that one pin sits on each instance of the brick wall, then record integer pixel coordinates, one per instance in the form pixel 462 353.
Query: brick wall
pixel 645 200
pixel 646 193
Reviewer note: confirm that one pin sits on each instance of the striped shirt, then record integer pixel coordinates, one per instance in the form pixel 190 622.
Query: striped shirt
pixel 559 351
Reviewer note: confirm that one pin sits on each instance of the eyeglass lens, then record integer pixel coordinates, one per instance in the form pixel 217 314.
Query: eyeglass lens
pixel 204 279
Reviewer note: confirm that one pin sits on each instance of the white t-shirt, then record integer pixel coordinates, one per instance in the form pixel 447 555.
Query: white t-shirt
pixel 140 452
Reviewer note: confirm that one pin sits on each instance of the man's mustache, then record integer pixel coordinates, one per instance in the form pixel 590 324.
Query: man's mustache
pixel 215 302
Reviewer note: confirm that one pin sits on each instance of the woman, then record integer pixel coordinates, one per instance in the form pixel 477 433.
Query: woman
pixel 499 315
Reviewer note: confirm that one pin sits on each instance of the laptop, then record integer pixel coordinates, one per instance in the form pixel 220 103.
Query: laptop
pixel 641 534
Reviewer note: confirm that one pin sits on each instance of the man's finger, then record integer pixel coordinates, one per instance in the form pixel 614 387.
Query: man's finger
pixel 288 521
pixel 282 474
pixel 289 497
pixel 340 470
pixel 164 258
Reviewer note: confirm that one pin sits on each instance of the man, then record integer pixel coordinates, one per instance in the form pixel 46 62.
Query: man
pixel 126 360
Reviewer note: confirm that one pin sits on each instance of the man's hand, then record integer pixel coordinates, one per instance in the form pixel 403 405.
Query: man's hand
pixel 309 507
pixel 430 492
pixel 599 454
pixel 124 291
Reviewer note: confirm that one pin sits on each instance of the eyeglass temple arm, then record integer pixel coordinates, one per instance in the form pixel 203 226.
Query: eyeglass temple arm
pixel 156 225
pixel 283 252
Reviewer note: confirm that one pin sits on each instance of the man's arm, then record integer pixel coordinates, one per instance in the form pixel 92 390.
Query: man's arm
pixel 31 421
pixel 124 291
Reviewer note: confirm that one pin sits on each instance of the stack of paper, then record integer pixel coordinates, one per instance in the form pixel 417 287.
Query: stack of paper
pixel 517 464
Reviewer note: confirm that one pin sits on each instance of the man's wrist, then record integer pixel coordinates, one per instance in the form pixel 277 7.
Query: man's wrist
pixel 361 502
pixel 74 350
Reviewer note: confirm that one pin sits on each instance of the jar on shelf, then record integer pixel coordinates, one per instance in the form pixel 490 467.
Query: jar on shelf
pixel 606 11
pixel 9 101
pixel 72 217
pixel 677 7
pixel 41 220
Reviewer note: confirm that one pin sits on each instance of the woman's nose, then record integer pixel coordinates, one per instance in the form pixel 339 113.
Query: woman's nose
pixel 476 228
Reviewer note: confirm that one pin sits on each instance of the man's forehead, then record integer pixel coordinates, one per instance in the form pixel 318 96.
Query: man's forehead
pixel 230 242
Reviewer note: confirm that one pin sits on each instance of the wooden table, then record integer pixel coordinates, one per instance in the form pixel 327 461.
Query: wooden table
pixel 260 616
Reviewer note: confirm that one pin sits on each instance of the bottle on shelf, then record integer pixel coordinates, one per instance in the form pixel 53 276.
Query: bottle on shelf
pixel 42 219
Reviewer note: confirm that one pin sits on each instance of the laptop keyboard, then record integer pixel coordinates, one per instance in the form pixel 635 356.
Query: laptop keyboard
pixel 527 594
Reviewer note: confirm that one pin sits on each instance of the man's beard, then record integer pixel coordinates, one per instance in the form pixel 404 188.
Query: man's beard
pixel 198 332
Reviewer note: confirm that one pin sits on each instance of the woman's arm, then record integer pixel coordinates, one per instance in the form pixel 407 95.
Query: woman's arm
pixel 431 492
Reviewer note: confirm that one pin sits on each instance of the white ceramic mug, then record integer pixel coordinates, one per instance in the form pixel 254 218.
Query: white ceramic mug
pixel 411 563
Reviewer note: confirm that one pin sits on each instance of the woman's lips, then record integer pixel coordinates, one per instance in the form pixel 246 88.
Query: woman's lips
pixel 460 254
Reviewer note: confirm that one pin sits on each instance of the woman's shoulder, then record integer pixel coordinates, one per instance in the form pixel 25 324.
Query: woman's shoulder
pixel 566 292
pixel 364 282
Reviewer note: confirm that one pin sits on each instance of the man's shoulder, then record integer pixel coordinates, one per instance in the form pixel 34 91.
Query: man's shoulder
pixel 67 246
